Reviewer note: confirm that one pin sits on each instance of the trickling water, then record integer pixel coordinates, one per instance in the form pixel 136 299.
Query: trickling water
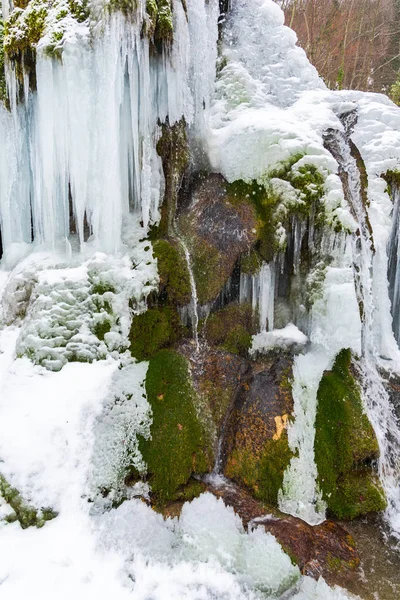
pixel 194 300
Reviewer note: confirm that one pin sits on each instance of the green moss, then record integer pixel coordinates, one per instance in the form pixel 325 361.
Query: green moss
pixel 25 514
pixel 250 263
pixel 3 87
pixel 274 209
pixel 262 473
pixel 231 328
pixel 160 21
pixel 24 28
pixel 102 327
pixel 127 7
pixel 345 444
pixel 177 448
pixel 174 151
pixel 155 329
pixel 173 272
pixel 207 273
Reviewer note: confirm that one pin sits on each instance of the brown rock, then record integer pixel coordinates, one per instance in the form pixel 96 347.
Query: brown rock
pixel 326 550
pixel 218 230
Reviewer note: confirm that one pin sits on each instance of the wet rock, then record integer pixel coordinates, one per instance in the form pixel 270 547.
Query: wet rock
pixel 326 550
pixel 255 450
pixel 218 230
pixel 217 376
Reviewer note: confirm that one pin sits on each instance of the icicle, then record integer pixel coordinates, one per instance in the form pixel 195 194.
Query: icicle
pixel 266 297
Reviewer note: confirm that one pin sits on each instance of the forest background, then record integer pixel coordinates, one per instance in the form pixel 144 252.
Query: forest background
pixel 354 44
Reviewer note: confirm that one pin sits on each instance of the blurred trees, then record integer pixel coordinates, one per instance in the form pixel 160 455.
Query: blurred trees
pixel 354 44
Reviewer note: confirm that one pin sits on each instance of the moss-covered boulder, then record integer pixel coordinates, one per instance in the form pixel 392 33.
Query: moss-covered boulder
pixel 217 231
pixel 294 189
pixel 174 276
pixel 231 328
pixel 178 446
pixel 158 327
pixel 345 445
pixel 173 148
pixel 3 87
pixel 256 449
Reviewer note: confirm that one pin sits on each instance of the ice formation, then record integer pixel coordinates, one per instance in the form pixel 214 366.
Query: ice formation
pixel 80 185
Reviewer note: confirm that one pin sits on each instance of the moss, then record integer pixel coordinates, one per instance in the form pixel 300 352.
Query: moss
pixel 3 87
pixel 262 473
pixel 173 272
pixel 102 327
pixel 274 209
pixel 174 151
pixel 250 263
pixel 345 445
pixel 155 329
pixel 24 28
pixel 127 7
pixel 207 273
pixel 231 328
pixel 101 287
pixel 164 27
pixel 25 514
pixel 177 448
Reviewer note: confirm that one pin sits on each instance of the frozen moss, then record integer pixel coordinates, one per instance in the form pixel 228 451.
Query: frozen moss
pixel 23 512
pixel 177 447
pixel 24 28
pixel 160 26
pixel 345 445
pixel 289 190
pixel 30 21
pixel 3 87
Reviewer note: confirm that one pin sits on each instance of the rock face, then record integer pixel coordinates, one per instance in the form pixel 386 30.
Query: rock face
pixel 218 230
pixel 326 550
pixel 256 451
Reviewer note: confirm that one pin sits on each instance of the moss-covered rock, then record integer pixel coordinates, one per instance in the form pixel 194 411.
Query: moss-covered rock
pixel 3 87
pixel 256 449
pixel 178 445
pixel 345 445
pixel 289 190
pixel 157 328
pixel 160 27
pixel 218 376
pixel 174 151
pixel 27 515
pixel 172 269
pixel 217 232
pixel 231 328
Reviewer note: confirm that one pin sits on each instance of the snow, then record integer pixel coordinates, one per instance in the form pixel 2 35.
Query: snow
pixel 290 337
pixel 80 171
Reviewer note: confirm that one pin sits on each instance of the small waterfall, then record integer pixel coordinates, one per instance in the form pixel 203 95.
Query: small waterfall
pixel 194 301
